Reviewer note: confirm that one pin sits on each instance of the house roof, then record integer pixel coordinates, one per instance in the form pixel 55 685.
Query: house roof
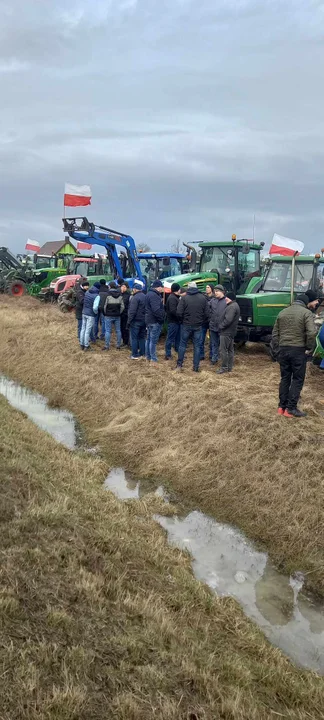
pixel 51 248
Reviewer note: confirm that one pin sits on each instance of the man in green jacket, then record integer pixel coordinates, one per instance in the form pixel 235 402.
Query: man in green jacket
pixel 294 335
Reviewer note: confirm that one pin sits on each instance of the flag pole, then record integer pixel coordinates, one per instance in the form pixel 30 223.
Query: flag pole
pixel 293 268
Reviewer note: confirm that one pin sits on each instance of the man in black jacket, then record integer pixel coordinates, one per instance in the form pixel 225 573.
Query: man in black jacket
pixel 227 331
pixel 136 321
pixel 154 319
pixel 193 312
pixel 125 291
pixel 112 306
pixel 217 311
pixel 173 334
pixel 80 291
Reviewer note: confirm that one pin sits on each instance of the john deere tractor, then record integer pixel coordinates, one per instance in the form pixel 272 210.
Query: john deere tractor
pixel 259 309
pixel 234 264
pixel 18 278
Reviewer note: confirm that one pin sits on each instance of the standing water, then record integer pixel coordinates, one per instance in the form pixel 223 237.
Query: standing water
pixel 230 565
pixel 59 423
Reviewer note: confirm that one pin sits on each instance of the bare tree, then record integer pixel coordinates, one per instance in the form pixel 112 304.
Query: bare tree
pixel 143 247
pixel 177 246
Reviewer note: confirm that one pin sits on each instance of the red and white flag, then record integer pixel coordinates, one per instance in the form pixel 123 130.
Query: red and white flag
pixel 32 245
pixel 77 195
pixel 83 246
pixel 285 246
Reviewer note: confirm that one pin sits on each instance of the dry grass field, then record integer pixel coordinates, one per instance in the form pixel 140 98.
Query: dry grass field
pixel 101 619
pixel 215 441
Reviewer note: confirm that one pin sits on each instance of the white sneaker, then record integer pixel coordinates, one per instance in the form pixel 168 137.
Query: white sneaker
pixel 132 357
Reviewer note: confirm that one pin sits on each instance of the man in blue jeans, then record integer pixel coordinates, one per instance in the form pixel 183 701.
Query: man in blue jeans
pixel 112 306
pixel 154 319
pixel 193 312
pixel 89 313
pixel 136 321
pixel 173 333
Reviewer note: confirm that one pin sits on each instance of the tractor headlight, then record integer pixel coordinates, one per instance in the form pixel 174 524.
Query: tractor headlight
pixel 240 318
pixel 250 320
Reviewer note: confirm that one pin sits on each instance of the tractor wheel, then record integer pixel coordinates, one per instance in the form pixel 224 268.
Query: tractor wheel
pixel 16 288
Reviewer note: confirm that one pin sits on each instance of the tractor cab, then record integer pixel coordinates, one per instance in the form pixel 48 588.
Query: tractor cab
pixel 235 264
pixel 159 266
pixel 259 309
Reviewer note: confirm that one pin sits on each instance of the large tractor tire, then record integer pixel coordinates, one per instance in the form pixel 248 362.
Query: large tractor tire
pixel 16 288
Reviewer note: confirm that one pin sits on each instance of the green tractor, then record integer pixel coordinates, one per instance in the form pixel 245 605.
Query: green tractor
pixel 235 264
pixel 18 278
pixel 259 309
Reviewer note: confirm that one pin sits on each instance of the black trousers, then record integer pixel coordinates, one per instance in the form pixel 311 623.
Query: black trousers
pixel 124 329
pixel 292 362
pixel 226 350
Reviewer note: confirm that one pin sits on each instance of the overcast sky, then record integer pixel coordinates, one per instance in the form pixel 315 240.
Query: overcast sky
pixel 186 117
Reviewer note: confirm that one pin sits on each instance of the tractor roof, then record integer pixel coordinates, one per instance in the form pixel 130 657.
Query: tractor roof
pixel 160 255
pixel 231 244
pixel 299 259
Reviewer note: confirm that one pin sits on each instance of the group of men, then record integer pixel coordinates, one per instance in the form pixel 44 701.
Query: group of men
pixel 138 319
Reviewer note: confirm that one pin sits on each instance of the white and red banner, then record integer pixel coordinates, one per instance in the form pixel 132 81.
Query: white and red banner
pixel 285 246
pixel 32 245
pixel 77 195
pixel 83 246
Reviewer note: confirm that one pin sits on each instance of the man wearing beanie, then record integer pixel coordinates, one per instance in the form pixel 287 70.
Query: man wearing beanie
pixel 193 312
pixel 154 319
pixel 227 331
pixel 173 334
pixel 294 335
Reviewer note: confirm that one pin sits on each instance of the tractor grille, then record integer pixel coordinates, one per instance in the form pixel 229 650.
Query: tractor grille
pixel 246 310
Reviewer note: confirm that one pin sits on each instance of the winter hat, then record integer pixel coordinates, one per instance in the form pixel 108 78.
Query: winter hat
pixel 175 287
pixel 192 284
pixel 138 286
pixel 102 282
pixel 311 295
pixel 211 285
pixel 97 285
pixel 231 295
pixel 157 284
pixel 219 287
pixel 303 298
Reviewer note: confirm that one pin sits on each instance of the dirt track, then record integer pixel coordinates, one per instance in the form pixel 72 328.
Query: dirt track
pixel 216 441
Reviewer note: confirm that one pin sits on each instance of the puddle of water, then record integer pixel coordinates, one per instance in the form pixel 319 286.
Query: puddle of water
pixel 59 423
pixel 230 565
pixel 125 487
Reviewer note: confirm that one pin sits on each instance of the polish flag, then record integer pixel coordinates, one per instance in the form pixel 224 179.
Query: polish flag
pixel 77 195
pixel 83 246
pixel 285 246
pixel 32 245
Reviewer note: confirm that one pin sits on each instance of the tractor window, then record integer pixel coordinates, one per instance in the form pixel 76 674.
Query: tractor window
pixel 279 277
pixel 217 259
pixel 249 262
pixel 149 268
pixel 319 281
pixel 86 269
pixel 169 267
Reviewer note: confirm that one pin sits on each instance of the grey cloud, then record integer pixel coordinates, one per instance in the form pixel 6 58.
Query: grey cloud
pixel 186 118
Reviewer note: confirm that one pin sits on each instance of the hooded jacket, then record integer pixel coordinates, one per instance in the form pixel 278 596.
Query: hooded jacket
pixel 171 308
pixel 126 298
pixel 217 312
pixel 295 327
pixel 193 309
pixel 230 320
pixel 113 304
pixel 136 308
pixel 154 310
pixel 88 301
pixel 79 300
